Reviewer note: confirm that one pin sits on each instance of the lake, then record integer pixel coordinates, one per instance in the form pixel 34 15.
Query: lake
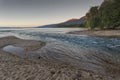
pixel 58 35
pixel 86 52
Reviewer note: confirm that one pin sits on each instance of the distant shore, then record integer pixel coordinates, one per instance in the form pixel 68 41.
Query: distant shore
pixel 98 33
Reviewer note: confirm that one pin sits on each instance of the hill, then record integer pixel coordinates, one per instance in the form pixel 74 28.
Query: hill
pixel 106 16
pixel 68 23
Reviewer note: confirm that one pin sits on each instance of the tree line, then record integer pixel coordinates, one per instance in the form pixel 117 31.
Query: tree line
pixel 106 16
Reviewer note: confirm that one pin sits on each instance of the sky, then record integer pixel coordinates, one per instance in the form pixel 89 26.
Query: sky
pixel 29 13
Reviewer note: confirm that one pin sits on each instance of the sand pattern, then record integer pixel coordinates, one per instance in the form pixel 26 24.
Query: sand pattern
pixel 48 61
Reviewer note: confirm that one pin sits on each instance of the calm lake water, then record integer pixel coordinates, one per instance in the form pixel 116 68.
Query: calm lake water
pixel 57 35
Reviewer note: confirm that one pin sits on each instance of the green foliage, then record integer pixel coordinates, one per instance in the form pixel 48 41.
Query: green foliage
pixel 105 16
pixel 69 26
pixel 93 19
pixel 73 26
pixel 82 24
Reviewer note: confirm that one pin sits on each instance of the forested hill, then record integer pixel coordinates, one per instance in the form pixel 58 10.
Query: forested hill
pixel 106 16
pixel 72 23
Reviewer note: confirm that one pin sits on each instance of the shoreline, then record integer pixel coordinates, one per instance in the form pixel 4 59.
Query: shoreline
pixel 17 67
pixel 53 65
pixel 98 33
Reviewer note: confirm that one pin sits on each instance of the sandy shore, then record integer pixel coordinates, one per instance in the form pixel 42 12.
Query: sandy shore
pixel 14 67
pixel 99 33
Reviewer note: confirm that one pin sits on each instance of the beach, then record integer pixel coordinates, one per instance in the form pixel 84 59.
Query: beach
pixel 59 40
pixel 14 67
pixel 98 33
pixel 46 67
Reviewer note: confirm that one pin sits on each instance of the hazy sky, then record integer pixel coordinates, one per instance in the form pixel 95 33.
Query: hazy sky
pixel 40 12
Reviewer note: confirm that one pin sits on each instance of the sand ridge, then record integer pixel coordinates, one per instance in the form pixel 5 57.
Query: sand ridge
pixel 98 33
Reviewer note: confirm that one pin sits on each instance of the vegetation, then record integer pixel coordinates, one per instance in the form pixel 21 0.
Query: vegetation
pixel 73 25
pixel 106 16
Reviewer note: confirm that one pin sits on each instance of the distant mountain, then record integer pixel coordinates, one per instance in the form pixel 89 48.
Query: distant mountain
pixel 48 26
pixel 66 23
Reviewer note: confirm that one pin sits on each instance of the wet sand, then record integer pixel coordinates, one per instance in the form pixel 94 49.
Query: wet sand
pixel 98 33
pixel 56 66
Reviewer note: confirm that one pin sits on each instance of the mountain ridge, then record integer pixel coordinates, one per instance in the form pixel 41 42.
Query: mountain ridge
pixel 73 21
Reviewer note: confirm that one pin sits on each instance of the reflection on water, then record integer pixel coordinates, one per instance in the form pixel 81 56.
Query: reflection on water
pixel 13 49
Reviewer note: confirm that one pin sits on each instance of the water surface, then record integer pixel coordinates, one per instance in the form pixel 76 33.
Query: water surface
pixel 57 35
pixel 85 52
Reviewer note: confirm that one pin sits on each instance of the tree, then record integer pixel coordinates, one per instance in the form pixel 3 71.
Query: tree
pixel 104 17
pixel 93 18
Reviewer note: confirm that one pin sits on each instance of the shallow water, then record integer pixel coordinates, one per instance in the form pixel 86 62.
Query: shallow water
pixel 85 52
pixel 13 49
pixel 57 35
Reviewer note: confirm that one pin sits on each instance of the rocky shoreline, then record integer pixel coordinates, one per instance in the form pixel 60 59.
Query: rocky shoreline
pixel 53 66
pixel 99 33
